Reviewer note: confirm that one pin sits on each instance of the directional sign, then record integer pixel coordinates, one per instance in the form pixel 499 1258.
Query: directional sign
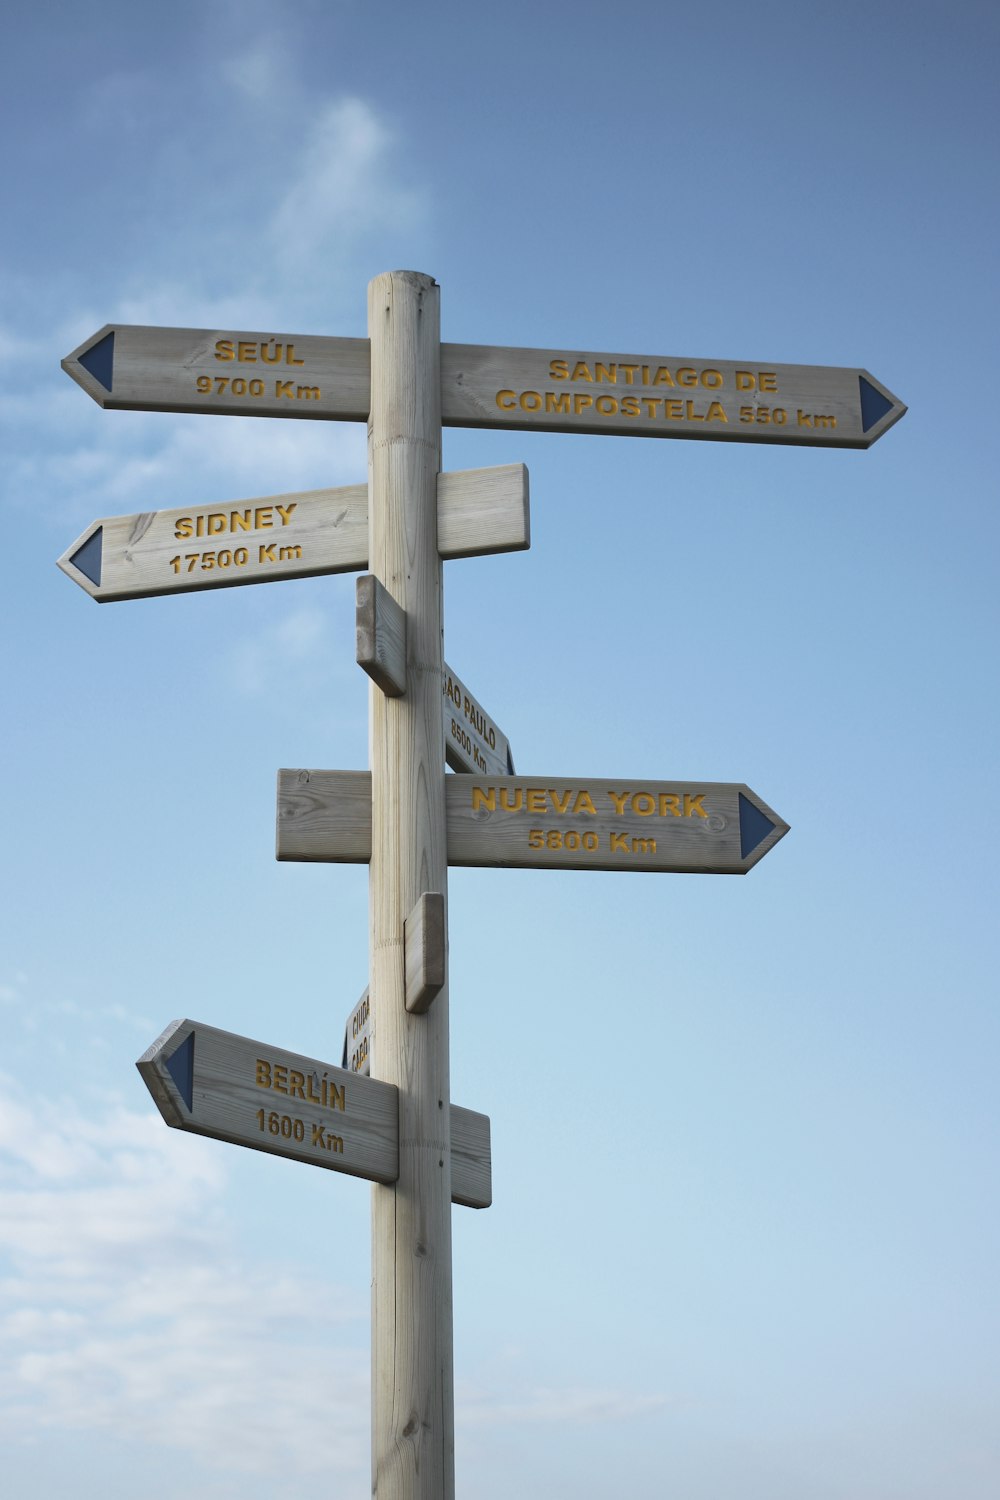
pixel 234 1089
pixel 553 390
pixel 472 742
pixel 283 536
pixel 129 368
pixel 645 395
pixel 550 823
pixel 357 1056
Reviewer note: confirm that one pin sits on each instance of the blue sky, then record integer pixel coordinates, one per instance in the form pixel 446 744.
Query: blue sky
pixel 744 1236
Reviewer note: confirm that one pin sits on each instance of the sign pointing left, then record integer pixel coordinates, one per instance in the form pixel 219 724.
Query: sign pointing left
pixel 234 1089
pixel 127 367
pixel 283 536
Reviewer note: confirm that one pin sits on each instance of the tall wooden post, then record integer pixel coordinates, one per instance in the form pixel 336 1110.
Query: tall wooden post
pixel 412 1374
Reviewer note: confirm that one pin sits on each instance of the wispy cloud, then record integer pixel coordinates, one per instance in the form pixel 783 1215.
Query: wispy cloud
pixel 123 1308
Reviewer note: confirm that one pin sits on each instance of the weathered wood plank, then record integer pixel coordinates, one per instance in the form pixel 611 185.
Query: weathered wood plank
pixel 234 1089
pixel 381 636
pixel 425 945
pixel 247 1092
pixel 473 742
pixel 298 535
pixel 483 510
pixel 129 367
pixel 646 395
pixel 547 823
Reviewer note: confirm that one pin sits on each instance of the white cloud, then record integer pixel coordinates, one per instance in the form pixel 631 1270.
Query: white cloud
pixel 555 1405
pixel 123 1308
pixel 342 187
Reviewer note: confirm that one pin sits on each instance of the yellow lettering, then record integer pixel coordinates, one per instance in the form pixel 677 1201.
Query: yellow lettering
pixel 744 380
pixel 263 1074
pixel 263 517
pixel 619 799
pixel 716 412
pixel 628 371
pixel 673 410
pixel 629 406
pixel 296 1081
pixel 581 402
pixel 767 380
pixel 560 804
pixel 290 356
pixel 670 802
pixel 504 404
pixel 530 400
pixel 693 805
pixel 484 797
pixel 536 799
pixel 246 353
pixel 506 805
pixel 285 512
pixel 584 803
pixel 581 371
pixel 557 403
pixel 647 801
pixel 184 527
pixel 558 369
pixel 711 379
pixel 279 1080
pixel 224 349
pixel 687 376
pixel 239 520
pixel 338 1098
pixel 662 377
pixel 607 373
pixel 217 523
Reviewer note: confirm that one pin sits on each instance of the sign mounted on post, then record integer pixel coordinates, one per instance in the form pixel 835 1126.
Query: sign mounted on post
pixel 234 1089
pixel 134 368
pixel 472 741
pixel 550 823
pixel 126 367
pixel 645 395
pixel 283 536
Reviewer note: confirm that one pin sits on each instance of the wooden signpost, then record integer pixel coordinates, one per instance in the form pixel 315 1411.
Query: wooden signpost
pixel 215 1083
pixel 405 817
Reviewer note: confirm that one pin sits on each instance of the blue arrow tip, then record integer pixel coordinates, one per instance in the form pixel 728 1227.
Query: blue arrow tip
pixel 754 826
pixel 180 1066
pixel 873 404
pixel 99 360
pixel 87 559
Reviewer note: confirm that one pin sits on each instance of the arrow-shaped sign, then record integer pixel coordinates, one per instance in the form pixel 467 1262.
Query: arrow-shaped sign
pixel 550 823
pixel 234 1089
pixel 554 390
pixel 473 743
pixel 284 536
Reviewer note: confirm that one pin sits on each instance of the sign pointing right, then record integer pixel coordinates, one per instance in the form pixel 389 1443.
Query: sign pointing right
pixel 545 823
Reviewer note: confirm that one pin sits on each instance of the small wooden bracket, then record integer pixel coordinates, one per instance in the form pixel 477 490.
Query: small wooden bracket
pixel 381 636
pixel 424 952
